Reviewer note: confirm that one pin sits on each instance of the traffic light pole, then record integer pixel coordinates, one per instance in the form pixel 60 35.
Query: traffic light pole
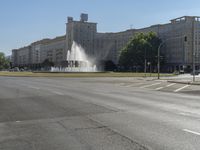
pixel 158 65
pixel 161 44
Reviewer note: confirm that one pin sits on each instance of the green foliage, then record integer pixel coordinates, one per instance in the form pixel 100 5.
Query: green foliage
pixel 141 46
pixel 47 63
pixel 4 63
pixel 109 66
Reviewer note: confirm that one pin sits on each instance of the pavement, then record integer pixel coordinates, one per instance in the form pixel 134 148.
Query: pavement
pixel 98 113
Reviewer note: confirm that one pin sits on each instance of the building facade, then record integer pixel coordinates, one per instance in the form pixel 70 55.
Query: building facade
pixel 21 57
pixel 36 53
pixel 181 43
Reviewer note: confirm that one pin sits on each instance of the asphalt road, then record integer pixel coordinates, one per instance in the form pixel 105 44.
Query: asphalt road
pixel 98 114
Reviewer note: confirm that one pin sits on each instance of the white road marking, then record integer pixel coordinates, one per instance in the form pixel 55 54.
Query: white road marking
pixel 32 87
pixel 170 84
pixel 159 88
pixel 177 90
pixel 188 114
pixel 17 121
pixel 58 93
pixel 183 114
pixel 134 84
pixel 120 84
pixel 150 85
pixel 190 131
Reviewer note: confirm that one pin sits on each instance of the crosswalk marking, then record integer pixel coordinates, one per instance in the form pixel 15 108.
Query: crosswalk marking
pixel 120 84
pixel 154 84
pixel 159 88
pixel 150 85
pixel 170 84
pixel 190 131
pixel 179 89
pixel 33 87
pixel 58 93
pixel 134 84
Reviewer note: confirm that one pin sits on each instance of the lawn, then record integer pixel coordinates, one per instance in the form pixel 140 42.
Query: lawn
pixel 89 74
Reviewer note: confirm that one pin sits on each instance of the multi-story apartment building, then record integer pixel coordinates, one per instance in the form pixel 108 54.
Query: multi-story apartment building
pixel 181 43
pixel 82 32
pixel 36 50
pixel 36 53
pixel 22 56
pixel 54 50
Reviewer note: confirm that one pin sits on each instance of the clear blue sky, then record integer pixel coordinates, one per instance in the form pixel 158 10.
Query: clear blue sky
pixel 25 21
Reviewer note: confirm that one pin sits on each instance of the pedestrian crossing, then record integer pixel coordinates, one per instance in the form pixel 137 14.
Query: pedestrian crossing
pixel 157 86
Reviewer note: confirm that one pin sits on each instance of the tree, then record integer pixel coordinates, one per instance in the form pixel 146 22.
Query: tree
pixel 140 47
pixel 4 63
pixel 47 63
pixel 109 65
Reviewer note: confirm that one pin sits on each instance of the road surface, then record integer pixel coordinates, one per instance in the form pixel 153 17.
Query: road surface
pixel 98 113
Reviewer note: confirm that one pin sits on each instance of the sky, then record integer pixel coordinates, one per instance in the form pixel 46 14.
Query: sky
pixel 25 21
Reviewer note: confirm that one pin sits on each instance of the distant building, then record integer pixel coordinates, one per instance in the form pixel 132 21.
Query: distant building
pixel 36 53
pixel 54 50
pixel 21 57
pixel 181 37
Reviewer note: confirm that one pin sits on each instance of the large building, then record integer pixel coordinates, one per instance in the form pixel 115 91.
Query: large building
pixel 180 36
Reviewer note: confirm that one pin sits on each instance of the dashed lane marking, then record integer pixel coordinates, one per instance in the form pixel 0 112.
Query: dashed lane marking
pixel 190 131
pixel 179 89
pixel 150 85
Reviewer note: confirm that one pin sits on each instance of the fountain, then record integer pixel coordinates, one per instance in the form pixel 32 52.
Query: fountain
pixel 77 61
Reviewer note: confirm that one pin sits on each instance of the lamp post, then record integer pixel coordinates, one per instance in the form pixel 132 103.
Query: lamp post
pixel 159 47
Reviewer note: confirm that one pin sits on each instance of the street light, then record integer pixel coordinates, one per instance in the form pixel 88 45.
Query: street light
pixel 159 47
